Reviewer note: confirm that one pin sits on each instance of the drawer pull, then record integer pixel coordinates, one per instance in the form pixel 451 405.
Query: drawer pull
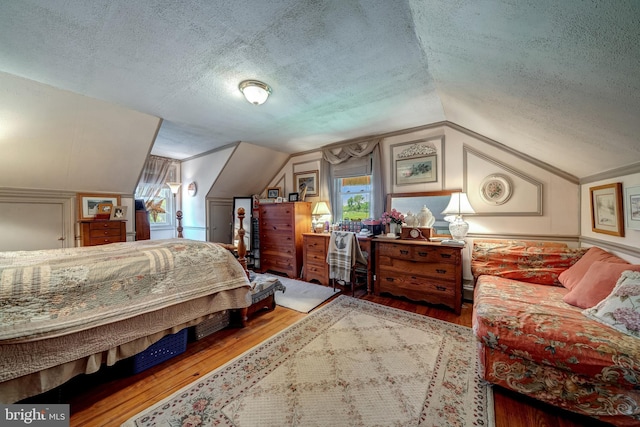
pixel 389 279
pixel 441 288
pixel 441 271
pixel 445 255
pixel 404 252
pixel 423 253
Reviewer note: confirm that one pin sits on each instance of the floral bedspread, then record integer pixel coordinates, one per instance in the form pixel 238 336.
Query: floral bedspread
pixel 49 293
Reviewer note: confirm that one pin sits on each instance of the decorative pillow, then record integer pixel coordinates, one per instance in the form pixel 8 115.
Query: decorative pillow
pixel 570 277
pixel 621 309
pixel 597 283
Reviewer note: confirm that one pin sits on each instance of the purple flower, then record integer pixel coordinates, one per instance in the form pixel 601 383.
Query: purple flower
pixel 628 317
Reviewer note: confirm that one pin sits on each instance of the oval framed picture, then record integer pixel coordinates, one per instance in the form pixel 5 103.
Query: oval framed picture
pixel 496 189
pixel 192 189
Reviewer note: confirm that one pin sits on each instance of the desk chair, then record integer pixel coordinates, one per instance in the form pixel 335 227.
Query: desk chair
pixel 347 263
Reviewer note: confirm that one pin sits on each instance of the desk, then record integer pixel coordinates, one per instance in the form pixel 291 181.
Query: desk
pixel 314 258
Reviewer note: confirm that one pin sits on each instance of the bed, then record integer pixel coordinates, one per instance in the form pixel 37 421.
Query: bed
pixel 64 312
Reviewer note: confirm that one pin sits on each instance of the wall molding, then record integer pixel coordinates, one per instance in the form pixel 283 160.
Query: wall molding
pixel 466 150
pixel 603 244
pixel 614 173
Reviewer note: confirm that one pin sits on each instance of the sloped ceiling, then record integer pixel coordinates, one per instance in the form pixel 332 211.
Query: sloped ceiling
pixel 555 80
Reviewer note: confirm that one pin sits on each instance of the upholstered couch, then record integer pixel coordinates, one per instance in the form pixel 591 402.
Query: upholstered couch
pixel 560 325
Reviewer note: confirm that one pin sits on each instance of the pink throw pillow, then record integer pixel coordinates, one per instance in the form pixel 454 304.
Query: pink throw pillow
pixel 597 283
pixel 571 276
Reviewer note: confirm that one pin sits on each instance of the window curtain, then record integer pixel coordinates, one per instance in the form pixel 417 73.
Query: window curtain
pixel 354 159
pixel 154 178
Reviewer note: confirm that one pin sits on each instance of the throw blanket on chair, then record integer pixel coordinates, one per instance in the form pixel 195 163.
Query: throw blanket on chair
pixel 344 251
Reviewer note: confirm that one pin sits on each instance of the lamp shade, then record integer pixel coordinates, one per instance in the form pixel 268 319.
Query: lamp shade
pixel 320 208
pixel 255 91
pixel 175 186
pixel 458 205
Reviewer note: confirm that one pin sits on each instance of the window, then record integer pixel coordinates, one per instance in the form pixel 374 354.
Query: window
pixel 354 195
pixel 160 208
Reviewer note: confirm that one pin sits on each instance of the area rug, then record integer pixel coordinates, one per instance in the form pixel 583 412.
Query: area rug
pixel 351 362
pixel 302 296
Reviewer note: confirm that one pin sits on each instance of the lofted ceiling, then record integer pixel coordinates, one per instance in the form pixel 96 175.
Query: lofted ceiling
pixel 556 80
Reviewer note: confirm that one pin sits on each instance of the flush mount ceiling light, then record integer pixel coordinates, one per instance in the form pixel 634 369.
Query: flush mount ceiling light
pixel 255 91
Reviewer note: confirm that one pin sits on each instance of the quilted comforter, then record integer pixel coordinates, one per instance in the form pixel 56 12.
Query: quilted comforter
pixel 48 293
pixel 69 311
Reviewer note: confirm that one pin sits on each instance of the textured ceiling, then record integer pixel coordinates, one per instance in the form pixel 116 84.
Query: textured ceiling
pixel 559 81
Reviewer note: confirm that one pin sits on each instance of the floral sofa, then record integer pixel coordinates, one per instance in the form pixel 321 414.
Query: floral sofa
pixel 560 325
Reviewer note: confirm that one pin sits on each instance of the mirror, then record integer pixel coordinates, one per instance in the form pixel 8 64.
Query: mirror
pixel 436 201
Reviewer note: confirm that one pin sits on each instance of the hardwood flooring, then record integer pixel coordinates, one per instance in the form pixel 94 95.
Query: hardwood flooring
pixel 111 396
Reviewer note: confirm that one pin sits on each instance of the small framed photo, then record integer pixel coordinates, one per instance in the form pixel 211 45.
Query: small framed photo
pixel 606 209
pixel 280 200
pixel 104 209
pixel 632 207
pixel 308 180
pixel 88 204
pixel 293 197
pixel 118 212
pixel 416 170
pixel 273 192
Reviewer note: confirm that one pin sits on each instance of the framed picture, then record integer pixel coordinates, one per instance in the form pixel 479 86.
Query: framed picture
pixel 308 180
pixel 118 212
pixel 293 197
pixel 88 203
pixel 416 170
pixel 273 192
pixel 606 209
pixel 104 208
pixel 632 207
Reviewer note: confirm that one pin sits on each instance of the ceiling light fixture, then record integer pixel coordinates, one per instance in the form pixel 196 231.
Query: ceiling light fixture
pixel 255 91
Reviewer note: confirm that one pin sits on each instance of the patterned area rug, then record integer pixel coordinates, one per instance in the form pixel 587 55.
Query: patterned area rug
pixel 351 362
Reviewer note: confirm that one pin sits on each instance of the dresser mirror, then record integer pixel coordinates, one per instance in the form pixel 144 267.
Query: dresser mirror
pixel 436 201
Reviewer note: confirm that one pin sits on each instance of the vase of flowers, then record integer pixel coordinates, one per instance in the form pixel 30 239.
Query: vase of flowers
pixel 394 219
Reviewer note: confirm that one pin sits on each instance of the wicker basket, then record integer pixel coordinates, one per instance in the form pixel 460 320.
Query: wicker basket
pixel 168 347
pixel 219 321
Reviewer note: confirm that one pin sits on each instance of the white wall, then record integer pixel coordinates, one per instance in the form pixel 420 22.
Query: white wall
pixel 202 170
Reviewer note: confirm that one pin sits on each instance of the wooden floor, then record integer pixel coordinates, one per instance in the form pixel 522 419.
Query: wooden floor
pixel 112 395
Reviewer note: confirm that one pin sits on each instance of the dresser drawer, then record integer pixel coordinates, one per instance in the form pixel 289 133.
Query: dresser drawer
pixel 393 279
pixel 438 271
pixel 105 225
pixel 95 241
pixel 104 232
pixel 419 253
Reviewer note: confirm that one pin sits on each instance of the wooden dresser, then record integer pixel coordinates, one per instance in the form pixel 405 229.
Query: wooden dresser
pixel 101 232
pixel 281 227
pixel 314 252
pixel 420 271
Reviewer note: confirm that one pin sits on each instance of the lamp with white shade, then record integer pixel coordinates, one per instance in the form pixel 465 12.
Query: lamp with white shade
pixel 175 186
pixel 319 210
pixel 458 205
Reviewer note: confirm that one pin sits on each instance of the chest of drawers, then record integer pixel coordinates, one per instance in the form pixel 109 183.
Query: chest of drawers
pixel 420 271
pixel 93 233
pixel 281 227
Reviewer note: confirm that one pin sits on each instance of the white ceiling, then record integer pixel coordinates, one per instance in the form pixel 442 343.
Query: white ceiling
pixel 557 80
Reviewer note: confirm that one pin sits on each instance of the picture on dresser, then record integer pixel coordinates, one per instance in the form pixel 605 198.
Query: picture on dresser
pixel 88 204
pixel 118 212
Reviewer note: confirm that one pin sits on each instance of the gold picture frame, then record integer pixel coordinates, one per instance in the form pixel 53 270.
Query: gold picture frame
pixel 88 204
pixel 606 209
pixel 308 179
pixel 273 192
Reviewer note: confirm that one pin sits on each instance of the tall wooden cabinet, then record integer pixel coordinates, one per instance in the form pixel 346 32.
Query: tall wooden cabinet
pixel 281 228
